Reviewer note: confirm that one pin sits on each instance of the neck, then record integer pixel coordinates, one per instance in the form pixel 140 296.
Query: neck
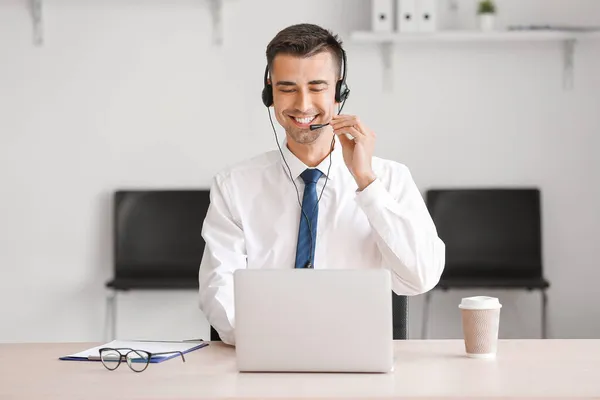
pixel 312 154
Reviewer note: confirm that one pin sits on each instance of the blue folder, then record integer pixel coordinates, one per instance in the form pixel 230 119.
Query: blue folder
pixel 140 345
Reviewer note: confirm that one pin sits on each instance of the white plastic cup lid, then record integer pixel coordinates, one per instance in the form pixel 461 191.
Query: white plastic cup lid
pixel 480 303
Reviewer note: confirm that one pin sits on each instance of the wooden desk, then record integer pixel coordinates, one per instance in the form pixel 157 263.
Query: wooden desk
pixel 430 369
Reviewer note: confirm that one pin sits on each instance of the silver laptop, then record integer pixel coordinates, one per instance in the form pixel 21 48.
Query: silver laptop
pixel 310 320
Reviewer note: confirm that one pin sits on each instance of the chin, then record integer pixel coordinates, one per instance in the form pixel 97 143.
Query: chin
pixel 305 136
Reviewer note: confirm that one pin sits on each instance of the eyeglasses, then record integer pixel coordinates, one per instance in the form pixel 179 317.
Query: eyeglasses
pixel 137 360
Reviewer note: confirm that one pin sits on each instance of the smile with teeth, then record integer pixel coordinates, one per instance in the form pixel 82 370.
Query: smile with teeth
pixel 305 120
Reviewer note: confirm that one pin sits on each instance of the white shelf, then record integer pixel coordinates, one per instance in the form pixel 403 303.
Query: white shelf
pixel 387 41
pixel 468 36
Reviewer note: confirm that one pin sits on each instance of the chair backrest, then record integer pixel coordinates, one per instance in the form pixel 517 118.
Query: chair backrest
pixel 157 233
pixel 399 319
pixel 489 233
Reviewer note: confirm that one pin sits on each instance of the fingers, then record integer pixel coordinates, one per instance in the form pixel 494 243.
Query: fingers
pixel 345 141
pixel 356 134
pixel 344 120
pixel 339 122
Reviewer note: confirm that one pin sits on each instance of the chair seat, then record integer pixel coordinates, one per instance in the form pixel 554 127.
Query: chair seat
pixel 492 283
pixel 152 284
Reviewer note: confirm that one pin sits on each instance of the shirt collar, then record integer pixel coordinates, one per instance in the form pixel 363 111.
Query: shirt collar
pixel 297 166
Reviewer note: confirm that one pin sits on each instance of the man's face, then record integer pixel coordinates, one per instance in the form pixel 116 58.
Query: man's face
pixel 303 93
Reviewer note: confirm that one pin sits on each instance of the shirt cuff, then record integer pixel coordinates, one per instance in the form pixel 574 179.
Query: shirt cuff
pixel 374 194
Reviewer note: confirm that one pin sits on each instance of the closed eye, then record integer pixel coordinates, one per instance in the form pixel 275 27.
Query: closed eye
pixel 286 86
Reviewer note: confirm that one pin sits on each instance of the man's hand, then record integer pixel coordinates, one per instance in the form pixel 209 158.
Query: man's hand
pixel 357 151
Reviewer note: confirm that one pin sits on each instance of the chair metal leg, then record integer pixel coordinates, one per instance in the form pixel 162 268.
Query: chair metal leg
pixel 425 315
pixel 544 314
pixel 111 315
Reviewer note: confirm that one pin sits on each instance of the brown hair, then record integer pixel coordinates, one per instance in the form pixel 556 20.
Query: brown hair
pixel 305 40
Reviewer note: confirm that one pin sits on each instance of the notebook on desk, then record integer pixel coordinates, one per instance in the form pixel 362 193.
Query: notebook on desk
pixel 93 354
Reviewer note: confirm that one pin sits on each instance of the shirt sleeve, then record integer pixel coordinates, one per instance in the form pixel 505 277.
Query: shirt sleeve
pixel 224 253
pixel 404 232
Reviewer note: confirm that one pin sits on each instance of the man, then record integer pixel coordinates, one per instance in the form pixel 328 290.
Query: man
pixel 322 200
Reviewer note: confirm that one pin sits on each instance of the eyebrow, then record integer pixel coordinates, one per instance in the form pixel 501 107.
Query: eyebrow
pixel 315 82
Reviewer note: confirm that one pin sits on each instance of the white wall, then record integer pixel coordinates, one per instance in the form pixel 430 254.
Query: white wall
pixel 133 94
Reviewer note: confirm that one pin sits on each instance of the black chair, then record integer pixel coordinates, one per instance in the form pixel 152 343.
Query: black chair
pixel 399 316
pixel 493 240
pixel 157 241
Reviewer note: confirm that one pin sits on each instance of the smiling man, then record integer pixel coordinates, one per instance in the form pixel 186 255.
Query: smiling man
pixel 321 200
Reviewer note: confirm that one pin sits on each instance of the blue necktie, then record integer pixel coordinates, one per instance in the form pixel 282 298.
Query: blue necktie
pixel 310 209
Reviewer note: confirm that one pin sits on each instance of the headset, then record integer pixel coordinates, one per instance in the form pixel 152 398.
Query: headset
pixel 341 90
pixel 341 95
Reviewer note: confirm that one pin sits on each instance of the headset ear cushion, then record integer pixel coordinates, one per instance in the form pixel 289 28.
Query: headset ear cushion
pixel 267 95
pixel 341 91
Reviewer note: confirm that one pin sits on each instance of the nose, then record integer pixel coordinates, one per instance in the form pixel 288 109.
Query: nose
pixel 303 101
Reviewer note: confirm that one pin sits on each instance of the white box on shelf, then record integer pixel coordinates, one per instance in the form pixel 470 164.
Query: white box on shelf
pixel 427 17
pixel 406 13
pixel 382 15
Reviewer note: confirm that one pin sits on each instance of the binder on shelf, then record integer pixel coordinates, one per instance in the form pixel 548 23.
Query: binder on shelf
pixel 406 14
pixel 427 17
pixel 382 15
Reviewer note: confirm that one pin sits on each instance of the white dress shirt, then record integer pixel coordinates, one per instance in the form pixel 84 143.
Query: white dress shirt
pixel 254 217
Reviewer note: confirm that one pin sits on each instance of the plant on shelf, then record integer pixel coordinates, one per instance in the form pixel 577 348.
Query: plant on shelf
pixel 486 10
pixel 486 7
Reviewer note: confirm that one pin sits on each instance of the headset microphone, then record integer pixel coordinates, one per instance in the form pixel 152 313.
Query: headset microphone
pixel 317 126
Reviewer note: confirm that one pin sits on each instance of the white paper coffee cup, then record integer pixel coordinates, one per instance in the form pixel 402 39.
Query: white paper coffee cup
pixel 481 322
